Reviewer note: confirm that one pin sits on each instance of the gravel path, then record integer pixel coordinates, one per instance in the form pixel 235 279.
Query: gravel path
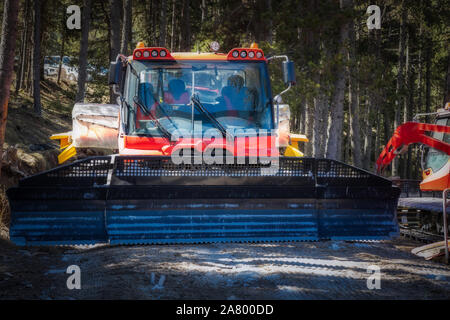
pixel 302 270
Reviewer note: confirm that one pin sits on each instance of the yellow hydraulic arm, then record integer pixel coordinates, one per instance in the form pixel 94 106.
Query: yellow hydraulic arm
pixel 292 150
pixel 65 144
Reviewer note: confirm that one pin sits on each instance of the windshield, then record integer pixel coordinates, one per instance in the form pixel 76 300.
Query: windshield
pixel 436 159
pixel 227 95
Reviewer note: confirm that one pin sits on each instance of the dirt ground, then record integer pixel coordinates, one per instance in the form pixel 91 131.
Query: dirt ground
pixel 28 148
pixel 300 270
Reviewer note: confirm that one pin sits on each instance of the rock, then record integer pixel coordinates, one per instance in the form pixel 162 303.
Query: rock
pixel 41 147
pixel 152 278
pixel 160 284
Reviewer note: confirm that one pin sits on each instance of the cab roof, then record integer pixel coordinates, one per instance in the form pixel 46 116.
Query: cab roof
pixel 199 56
pixel 162 54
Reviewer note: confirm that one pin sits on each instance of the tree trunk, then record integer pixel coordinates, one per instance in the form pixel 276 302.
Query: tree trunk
pixel 378 132
pixel 309 123
pixel 321 121
pixel 346 140
pixel 400 78
pixel 420 72
pixel 407 104
pixel 172 29
pixel 37 58
pixel 61 56
pixel 126 27
pixel 428 57
pixel 43 34
pixel 82 71
pixel 106 17
pixel 115 37
pixel 355 133
pixel 353 88
pixel 24 62
pixel 115 28
pixel 155 22
pixel 324 102
pixel 447 83
pixel 269 35
pixel 203 8
pixel 187 24
pixel 367 154
pixel 163 24
pixel 186 39
pixel 335 131
pixel 373 104
pixel 29 72
pixel 317 137
pixel 7 48
pixel 180 29
pixel 410 115
pixel 23 48
pixel 148 10
pixel 302 116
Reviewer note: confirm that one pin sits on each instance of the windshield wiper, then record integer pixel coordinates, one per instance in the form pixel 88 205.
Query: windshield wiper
pixel 153 118
pixel 154 99
pixel 196 102
pixel 163 110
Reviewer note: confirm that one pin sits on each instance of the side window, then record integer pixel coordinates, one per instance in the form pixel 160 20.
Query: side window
pixel 129 88
pixel 447 135
pixel 437 159
pixel 129 93
pixel 440 135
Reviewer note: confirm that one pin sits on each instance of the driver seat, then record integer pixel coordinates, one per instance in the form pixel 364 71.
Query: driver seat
pixel 236 99
pixel 177 93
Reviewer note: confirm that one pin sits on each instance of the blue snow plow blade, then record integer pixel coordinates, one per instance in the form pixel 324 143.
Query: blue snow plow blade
pixel 150 200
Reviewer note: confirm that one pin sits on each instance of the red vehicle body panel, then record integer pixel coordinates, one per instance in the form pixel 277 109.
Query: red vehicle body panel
pixel 242 146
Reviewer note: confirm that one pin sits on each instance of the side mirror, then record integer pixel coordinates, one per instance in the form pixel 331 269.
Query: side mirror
pixel 289 72
pixel 115 73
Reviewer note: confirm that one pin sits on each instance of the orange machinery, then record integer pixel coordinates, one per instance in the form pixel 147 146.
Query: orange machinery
pixel 435 153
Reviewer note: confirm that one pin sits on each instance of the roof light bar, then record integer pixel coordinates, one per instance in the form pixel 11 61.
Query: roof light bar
pixel 152 54
pixel 214 46
pixel 246 54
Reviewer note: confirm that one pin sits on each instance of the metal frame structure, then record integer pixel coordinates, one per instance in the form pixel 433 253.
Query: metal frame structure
pixel 408 133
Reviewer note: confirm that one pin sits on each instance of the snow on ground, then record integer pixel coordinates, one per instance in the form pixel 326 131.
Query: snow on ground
pixel 301 270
